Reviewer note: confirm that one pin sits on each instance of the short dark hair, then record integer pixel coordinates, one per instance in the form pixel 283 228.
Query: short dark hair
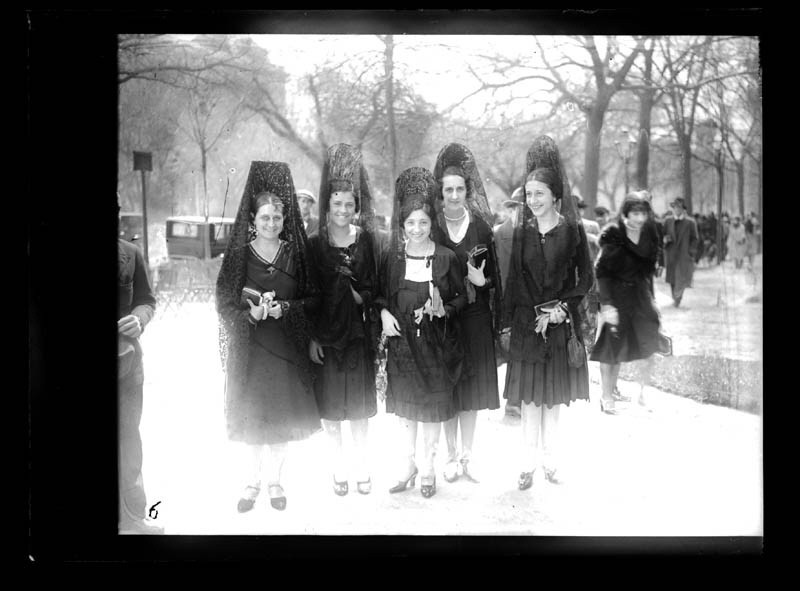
pixel 265 198
pixel 345 186
pixel 634 202
pixel 549 177
pixel 412 204
pixel 453 170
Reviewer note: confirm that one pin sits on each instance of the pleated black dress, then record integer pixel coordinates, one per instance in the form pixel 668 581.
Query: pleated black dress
pixel 477 388
pixel 345 384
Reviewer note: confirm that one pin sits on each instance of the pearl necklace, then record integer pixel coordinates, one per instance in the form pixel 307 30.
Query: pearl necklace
pixel 458 219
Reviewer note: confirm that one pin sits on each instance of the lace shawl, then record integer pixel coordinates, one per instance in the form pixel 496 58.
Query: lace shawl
pixel 458 155
pixel 234 327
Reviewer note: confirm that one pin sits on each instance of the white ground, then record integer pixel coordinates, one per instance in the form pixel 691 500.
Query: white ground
pixel 675 468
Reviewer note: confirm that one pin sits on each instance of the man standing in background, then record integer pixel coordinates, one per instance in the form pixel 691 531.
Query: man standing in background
pixel 680 246
pixel 503 240
pixel 137 305
pixel 305 201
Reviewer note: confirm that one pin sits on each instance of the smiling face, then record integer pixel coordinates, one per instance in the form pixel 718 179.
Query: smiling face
pixel 342 208
pixel 417 226
pixel 636 218
pixel 540 198
pixel 269 221
pixel 454 193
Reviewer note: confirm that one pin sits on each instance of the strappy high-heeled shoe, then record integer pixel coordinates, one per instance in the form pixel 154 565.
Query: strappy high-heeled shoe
pixel 407 483
pixel 249 499
pixel 525 480
pixel 466 473
pixel 428 490
pixel 340 488
pixel 278 501
pixel 364 486
pixel 608 407
pixel 552 476
pixel 451 471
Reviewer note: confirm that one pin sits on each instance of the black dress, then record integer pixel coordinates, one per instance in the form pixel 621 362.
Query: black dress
pixel 345 384
pixel 624 271
pixel 543 268
pixel 272 404
pixel 424 363
pixel 477 388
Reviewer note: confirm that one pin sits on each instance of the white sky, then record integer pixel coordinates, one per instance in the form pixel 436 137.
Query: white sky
pixel 438 74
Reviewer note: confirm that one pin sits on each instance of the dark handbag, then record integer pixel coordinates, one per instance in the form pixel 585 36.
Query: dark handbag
pixel 575 351
pixel 664 344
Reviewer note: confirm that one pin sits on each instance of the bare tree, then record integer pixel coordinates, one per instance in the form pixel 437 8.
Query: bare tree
pixel 167 59
pixel 209 115
pixel 592 94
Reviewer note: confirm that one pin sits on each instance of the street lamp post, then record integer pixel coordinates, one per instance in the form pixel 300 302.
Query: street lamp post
pixel 625 150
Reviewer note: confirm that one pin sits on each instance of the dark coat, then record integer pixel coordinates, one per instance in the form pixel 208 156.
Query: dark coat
pixel 135 297
pixel 680 247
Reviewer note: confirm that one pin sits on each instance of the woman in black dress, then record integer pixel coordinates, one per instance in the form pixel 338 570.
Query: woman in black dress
pixel 629 318
pixel 550 274
pixel 464 220
pixel 421 292
pixel 344 262
pixel 263 294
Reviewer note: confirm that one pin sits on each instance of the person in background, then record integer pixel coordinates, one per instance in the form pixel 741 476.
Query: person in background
pixel 737 242
pixel 137 305
pixel 630 324
pixel 421 292
pixel 464 219
pixel 752 228
pixel 590 305
pixel 269 379
pixel 503 238
pixel 306 201
pixel 550 274
pixel 680 246
pixel 342 254
pixel 602 216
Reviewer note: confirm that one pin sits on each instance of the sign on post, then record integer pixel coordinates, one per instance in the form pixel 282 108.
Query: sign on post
pixel 144 161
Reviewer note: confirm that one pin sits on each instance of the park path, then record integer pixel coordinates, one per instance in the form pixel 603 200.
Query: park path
pixel 674 468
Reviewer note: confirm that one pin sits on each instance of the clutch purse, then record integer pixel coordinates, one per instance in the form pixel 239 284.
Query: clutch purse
pixel 545 308
pixel 255 296
pixel 477 254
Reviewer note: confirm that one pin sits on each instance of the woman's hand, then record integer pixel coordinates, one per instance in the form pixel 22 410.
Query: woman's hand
pixel 130 326
pixel 315 352
pixel 256 312
pixel 391 327
pixel 557 315
pixel 475 274
pixel 356 296
pixel 505 340
pixel 274 309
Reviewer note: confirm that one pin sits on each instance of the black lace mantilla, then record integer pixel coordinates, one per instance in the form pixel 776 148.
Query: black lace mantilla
pixel 234 327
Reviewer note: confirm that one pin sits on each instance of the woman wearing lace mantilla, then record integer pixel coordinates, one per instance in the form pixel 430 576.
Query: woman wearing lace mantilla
pixel 464 220
pixel 264 291
pixel 421 290
pixel 344 262
pixel 550 274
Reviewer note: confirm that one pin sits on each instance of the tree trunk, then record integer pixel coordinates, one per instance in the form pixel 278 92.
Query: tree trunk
pixel 389 69
pixel 591 161
pixel 204 165
pixel 646 102
pixel 686 171
pixel 740 186
pixel 721 187
pixel 760 201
